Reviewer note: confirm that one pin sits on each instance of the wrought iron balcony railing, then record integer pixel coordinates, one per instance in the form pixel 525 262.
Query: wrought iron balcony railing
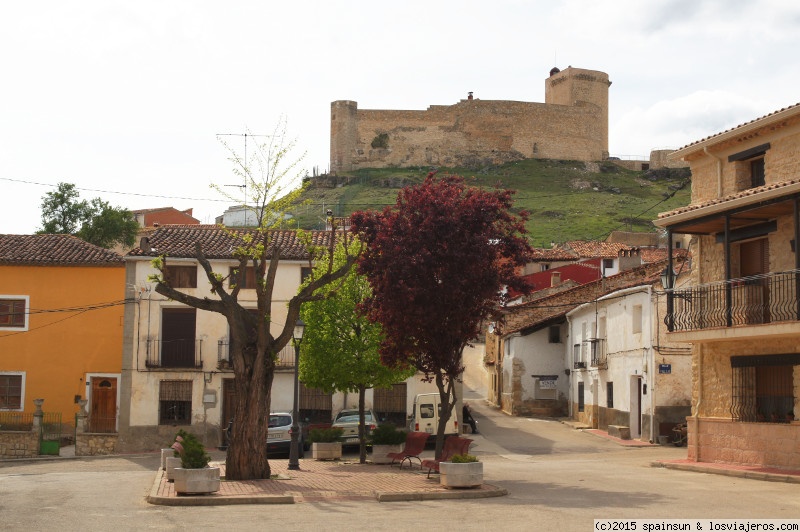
pixel 768 298
pixel 285 356
pixel 597 349
pixel 174 353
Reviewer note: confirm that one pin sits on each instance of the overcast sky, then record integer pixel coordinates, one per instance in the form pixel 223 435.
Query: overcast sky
pixel 126 99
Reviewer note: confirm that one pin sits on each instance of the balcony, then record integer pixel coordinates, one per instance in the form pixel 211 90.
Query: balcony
pixel 285 357
pixel 597 348
pixel 173 354
pixel 771 298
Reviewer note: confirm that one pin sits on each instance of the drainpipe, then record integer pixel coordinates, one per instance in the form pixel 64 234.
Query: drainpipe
pixel 568 358
pixel 719 170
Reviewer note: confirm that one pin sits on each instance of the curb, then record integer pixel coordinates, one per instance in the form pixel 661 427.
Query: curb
pixel 738 473
pixel 482 493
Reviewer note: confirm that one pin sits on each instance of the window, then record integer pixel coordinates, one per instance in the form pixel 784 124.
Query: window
pixel 249 276
pixel 581 401
pixel 175 403
pixel 13 313
pixel 757 172
pixel 762 388
pixel 178 337
pixel 545 267
pixel 636 319
pixel 554 334
pixel 608 264
pixel 182 276
pixel 12 390
pixel 749 167
pixel 305 272
pixel 576 357
pixel 610 394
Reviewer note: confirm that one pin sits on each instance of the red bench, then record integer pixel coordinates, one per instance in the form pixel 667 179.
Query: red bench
pixel 452 446
pixel 415 444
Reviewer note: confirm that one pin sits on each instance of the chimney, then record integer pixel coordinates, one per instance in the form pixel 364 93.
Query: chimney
pixel 144 244
pixel 629 259
pixel 555 279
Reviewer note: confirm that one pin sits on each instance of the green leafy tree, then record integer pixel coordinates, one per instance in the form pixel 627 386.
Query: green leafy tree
pixel 340 349
pixel 256 339
pixel 96 221
pixel 436 262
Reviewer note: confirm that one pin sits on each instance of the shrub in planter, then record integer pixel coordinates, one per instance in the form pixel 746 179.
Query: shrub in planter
pixel 462 471
pixel 194 475
pixel 385 439
pixel 325 444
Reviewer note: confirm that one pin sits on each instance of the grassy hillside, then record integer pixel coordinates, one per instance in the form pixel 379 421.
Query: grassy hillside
pixel 567 200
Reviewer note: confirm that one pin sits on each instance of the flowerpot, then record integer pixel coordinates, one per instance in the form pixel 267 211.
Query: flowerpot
pixel 166 453
pixel 205 480
pixel 468 475
pixel 326 451
pixel 170 464
pixel 379 453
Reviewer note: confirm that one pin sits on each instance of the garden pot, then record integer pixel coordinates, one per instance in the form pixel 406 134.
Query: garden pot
pixel 165 453
pixel 205 480
pixel 326 451
pixel 379 453
pixel 171 463
pixel 468 475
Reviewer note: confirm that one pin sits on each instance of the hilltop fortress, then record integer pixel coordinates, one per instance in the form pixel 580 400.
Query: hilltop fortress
pixel 572 124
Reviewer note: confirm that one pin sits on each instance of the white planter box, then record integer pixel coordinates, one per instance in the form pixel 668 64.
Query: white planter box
pixel 461 475
pixel 166 453
pixel 204 480
pixel 379 453
pixel 326 451
pixel 170 463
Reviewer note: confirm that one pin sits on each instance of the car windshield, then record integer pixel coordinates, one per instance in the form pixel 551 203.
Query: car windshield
pixel 279 421
pixel 353 418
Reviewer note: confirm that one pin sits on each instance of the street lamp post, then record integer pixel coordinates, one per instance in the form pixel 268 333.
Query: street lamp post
pixel 294 451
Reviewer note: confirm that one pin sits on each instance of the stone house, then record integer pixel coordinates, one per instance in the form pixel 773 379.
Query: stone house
pixel 528 354
pixel 61 308
pixel 177 371
pixel 741 309
pixel 625 375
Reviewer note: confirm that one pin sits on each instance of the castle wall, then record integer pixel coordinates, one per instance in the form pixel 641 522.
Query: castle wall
pixel 572 125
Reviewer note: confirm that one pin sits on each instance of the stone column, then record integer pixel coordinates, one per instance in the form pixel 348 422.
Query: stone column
pixel 38 414
pixel 82 416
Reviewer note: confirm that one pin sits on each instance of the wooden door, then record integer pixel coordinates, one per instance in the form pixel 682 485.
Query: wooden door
pixel 754 262
pixel 103 415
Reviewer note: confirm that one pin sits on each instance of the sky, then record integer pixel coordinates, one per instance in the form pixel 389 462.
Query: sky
pixel 128 100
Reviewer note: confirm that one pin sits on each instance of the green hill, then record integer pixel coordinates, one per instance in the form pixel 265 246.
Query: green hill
pixel 567 200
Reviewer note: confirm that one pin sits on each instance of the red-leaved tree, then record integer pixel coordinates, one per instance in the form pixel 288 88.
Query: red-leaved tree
pixel 437 262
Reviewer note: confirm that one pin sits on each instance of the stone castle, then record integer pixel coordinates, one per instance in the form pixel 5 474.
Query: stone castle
pixel 572 124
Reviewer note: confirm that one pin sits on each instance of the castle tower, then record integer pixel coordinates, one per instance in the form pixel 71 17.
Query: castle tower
pixel 344 134
pixel 580 87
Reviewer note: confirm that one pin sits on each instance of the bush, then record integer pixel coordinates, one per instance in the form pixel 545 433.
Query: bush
pixel 464 459
pixel 387 434
pixel 192 453
pixel 325 435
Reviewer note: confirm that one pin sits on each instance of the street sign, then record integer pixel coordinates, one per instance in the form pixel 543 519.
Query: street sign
pixel 665 368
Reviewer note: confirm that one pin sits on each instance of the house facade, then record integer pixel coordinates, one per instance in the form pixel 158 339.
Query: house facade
pixel 741 308
pixel 61 309
pixel 624 372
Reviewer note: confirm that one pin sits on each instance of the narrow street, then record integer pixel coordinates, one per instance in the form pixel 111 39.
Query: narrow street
pixel 557 478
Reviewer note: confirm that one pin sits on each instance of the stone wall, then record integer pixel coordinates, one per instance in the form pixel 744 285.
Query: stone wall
pixel 15 444
pixel 572 125
pixel 91 444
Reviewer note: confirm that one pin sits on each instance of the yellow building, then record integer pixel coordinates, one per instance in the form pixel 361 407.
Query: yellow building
pixel 61 309
pixel 741 308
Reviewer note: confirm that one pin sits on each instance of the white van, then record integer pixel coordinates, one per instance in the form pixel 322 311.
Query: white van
pixel 425 415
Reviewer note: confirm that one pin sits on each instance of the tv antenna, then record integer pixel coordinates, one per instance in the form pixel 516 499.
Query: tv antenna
pixel 245 165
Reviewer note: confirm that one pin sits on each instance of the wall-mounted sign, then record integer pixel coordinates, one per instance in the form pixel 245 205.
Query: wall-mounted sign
pixel 665 368
pixel 546 382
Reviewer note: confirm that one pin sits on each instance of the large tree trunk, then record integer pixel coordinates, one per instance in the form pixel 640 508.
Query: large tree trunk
pixel 447 398
pixel 247 452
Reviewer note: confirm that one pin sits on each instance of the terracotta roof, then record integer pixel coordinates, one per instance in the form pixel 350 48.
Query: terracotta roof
pixel 217 243
pixel 593 248
pixel 731 197
pixel 721 133
pixel 528 315
pixel 554 254
pixel 56 250
pixel 659 254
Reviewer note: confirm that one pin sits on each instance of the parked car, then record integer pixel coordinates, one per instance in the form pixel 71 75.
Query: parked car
pixel 347 420
pixel 279 435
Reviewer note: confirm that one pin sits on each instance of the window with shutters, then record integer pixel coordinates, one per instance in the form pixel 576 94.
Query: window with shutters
pixel 181 276
pixel 14 313
pixel 12 390
pixel 763 388
pixel 175 403
pixel 244 280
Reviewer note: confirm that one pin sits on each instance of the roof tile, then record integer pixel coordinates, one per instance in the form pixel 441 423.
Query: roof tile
pixel 45 250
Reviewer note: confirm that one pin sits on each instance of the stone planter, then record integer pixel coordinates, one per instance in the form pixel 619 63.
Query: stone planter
pixel 205 480
pixel 379 453
pixel 326 451
pixel 166 453
pixel 170 464
pixel 461 475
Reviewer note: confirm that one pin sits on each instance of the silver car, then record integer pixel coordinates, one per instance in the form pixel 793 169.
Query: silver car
pixel 279 435
pixel 347 420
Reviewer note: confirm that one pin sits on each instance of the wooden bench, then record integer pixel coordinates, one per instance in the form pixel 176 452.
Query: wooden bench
pixel 453 445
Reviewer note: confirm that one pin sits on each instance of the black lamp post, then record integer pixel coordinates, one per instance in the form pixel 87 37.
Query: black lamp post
pixel 294 450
